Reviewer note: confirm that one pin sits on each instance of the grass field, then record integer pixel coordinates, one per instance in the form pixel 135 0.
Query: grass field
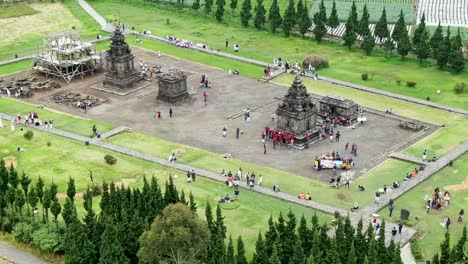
pixel 453 179
pixel 375 8
pixel 15 67
pixel 262 45
pixel 62 121
pixel 66 158
pixel 16 11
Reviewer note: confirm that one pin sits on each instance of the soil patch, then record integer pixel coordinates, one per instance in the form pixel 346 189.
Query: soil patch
pixel 458 187
pixel 124 183
pixel 10 160
pixel 177 150
pixel 343 196
pixel 64 195
pixel 5 151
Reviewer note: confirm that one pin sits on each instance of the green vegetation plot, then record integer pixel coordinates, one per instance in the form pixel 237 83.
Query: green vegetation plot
pixel 264 46
pixel 374 7
pixel 62 121
pixel 15 67
pixel 453 179
pixel 16 11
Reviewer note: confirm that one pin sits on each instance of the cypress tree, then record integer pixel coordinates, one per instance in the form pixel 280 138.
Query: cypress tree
pixel 219 10
pixel 443 51
pixel 240 257
pixel 216 248
pixel 298 257
pixel 319 30
pixel 445 249
pixel 290 238
pixel 388 45
pixel 230 257
pixel 397 256
pixel 245 14
pixel 274 16
pixel 20 200
pixel 111 251
pixel 453 255
pixel 208 5
pixel 422 48
pixel 71 191
pixel 69 212
pixel 271 236
pixel 274 257
pixel 404 44
pixel 352 258
pixel 461 246
pixel 171 195
pixel 372 254
pixel 40 188
pixel 435 259
pixel 333 20
pixel 55 208
pixel 340 239
pixel 349 36
pixel 4 176
pixel 260 256
pixel 316 253
pixel 323 12
pixel 456 58
pixel 289 18
pixel 324 243
pixel 104 204
pixel 420 30
pixel 354 16
pixel 46 205
pixel 400 26
pixel 260 15
pixel 303 20
pixel 233 5
pixel 368 44
pixel 311 260
pixel 33 199
pixel 436 39
pixel 363 28
pixel 389 253
pixel 331 256
pixel 182 198
pixel 196 5
pixel 25 181
pixel 380 245
pixel 304 236
pixel 381 28
pixel 93 232
pixel 349 235
pixel 13 177
pixel 78 249
pixel 221 228
pixel 192 203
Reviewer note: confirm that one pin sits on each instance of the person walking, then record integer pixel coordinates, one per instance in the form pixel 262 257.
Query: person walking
pixel 346 146
pixel 337 137
pixel 400 227
pixel 390 209
pixel 170 112
pixel 236 193
pixel 224 131
pixel 227 43
pixel 425 155
pixel 394 231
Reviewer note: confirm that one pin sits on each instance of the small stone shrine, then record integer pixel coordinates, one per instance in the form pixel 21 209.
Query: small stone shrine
pixel 297 114
pixel 172 86
pixel 336 106
pixel 120 69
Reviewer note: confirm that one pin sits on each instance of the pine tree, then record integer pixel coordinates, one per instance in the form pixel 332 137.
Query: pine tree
pixel 182 198
pixel 461 246
pixel 333 20
pixel 290 238
pixel 319 30
pixel 445 249
pixel 360 242
pixel 388 45
pixel 352 259
pixel 271 236
pixel 389 254
pixel 221 228
pixel 340 239
pixel 240 257
pixel 111 251
pixel 260 15
pixel 322 12
pixel 216 248
pixel 316 252
pixel 71 191
pixel 422 48
pixel 171 195
pixel 192 203
pixel 209 219
pixel 331 256
pixel 443 51
pixel 69 212
pixel 303 19
pixel 274 257
pixel 20 200
pixel 363 28
pixel 13 177
pixel 230 257
pixel 219 10
pixel 92 230
pixel 78 249
pixel 400 26
pixel 349 36
pixel 40 188
pixel 260 256
pixel 381 28
pixel 208 6
pixel 104 204
pixel 245 14
pixel 453 255
pixel 289 18
pixel 298 256
pixel 349 236
pixel 397 255
pixel 420 30
pixel 372 254
pixel 274 16
pixel 33 199
pixel 403 44
pixel 25 181
pixel 354 16
pixel 304 236
pixel 368 44
pixel 55 209
pixel 196 5
pixel 233 5
pixel 435 259
pixel 46 205
pixel 436 39
pixel 456 58
pixel 380 243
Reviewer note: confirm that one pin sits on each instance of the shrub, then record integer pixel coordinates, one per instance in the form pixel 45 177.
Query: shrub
pixel 49 144
pixel 398 82
pixel 460 88
pixel 48 238
pixel 316 61
pixel 416 250
pixel 22 232
pixel 410 83
pixel 96 190
pixel 364 76
pixel 110 159
pixel 168 21
pixel 28 135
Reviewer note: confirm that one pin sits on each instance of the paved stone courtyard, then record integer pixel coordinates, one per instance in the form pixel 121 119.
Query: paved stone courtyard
pixel 201 126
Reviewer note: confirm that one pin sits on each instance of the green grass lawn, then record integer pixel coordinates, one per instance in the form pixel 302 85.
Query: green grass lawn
pixel 15 67
pixel 450 178
pixel 16 11
pixel 262 45
pixel 66 158
pixel 62 121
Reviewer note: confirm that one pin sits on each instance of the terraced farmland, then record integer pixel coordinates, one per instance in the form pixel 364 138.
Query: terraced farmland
pixel 447 12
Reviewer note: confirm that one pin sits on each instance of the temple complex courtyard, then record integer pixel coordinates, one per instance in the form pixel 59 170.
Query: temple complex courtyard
pixel 201 126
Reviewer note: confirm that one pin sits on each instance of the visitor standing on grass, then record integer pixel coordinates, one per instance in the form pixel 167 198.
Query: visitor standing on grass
pixel 260 180
pixel 237 133
pixel 170 112
pixel 227 43
pixel 394 231
pixel 194 176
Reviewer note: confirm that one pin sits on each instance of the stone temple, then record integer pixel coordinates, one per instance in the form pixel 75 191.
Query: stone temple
pixel 172 86
pixel 336 106
pixel 120 69
pixel 297 114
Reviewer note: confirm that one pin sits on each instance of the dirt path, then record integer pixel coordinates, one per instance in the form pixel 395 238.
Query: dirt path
pixel 18 256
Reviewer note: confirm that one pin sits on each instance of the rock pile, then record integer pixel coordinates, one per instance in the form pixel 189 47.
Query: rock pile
pixel 24 87
pixel 76 99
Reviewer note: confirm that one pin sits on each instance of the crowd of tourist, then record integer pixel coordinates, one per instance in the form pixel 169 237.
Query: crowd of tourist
pixel 30 119
pixel 182 43
pixel 280 138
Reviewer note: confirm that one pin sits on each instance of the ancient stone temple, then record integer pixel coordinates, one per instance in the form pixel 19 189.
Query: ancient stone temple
pixel 297 113
pixel 120 69
pixel 336 106
pixel 172 86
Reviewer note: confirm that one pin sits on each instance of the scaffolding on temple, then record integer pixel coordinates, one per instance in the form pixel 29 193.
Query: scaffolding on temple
pixel 65 55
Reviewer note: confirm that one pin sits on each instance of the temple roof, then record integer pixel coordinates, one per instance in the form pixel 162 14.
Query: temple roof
pixel 338 101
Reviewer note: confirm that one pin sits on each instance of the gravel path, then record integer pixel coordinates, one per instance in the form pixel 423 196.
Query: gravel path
pixel 18 256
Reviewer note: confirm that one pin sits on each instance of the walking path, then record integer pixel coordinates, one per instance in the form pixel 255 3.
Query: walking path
pixel 404 157
pixel 113 132
pixel 90 10
pixel 18 256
